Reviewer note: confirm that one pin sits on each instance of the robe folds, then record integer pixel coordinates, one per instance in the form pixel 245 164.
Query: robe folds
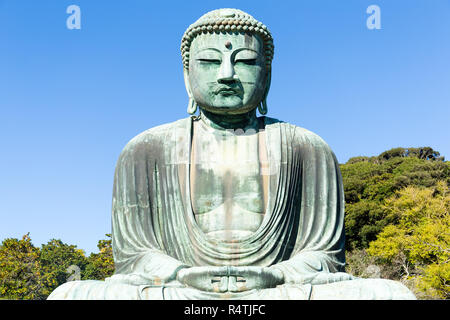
pixel 154 231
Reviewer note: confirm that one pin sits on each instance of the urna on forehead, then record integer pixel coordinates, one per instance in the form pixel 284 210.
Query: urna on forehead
pixel 223 21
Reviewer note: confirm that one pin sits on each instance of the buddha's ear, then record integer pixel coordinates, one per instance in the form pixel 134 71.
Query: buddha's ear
pixel 186 82
pixel 192 105
pixel 263 105
pixel 267 87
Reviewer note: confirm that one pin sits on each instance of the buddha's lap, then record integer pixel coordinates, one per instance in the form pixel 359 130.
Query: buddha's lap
pixel 358 289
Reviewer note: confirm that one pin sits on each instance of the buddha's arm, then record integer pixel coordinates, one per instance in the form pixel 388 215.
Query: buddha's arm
pixel 319 245
pixel 150 267
pixel 311 267
pixel 139 255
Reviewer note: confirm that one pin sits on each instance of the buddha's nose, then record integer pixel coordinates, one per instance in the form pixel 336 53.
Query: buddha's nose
pixel 226 72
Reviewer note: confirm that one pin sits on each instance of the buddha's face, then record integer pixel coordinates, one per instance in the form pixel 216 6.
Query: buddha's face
pixel 227 73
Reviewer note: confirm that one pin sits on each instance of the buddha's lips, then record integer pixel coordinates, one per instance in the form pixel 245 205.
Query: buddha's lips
pixel 227 91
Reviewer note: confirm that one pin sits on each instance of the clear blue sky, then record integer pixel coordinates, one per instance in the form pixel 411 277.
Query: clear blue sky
pixel 71 99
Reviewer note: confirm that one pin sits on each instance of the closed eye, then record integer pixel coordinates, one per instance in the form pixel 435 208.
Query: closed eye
pixel 214 61
pixel 246 61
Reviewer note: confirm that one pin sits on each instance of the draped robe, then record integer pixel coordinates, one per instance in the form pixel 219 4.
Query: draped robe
pixel 154 232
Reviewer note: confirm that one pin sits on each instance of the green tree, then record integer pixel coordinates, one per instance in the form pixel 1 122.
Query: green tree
pixel 368 181
pixel 418 244
pixel 425 153
pixel 55 258
pixel 28 272
pixel 20 272
pixel 101 264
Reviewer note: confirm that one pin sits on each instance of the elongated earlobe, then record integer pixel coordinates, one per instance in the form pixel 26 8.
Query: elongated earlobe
pixel 192 106
pixel 262 108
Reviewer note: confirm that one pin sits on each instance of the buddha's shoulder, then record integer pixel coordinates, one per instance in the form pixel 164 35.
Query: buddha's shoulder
pixel 160 133
pixel 156 138
pixel 296 134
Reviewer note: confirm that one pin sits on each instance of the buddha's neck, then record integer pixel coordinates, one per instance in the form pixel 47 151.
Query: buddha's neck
pixel 224 122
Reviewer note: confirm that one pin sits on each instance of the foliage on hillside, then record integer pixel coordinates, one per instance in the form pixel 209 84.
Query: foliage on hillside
pixel 368 181
pixel 101 264
pixel 20 270
pixel 397 219
pixel 29 272
pixel 418 244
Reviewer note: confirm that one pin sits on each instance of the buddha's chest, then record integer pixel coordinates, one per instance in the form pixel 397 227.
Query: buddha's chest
pixel 228 189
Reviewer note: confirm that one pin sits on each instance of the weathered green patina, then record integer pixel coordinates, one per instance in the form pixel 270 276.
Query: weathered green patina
pixel 225 204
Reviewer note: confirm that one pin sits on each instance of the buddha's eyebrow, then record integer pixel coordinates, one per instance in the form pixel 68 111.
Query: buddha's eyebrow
pixel 234 51
pixel 242 49
pixel 204 49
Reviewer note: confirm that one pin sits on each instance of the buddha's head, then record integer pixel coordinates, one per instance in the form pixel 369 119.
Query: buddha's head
pixel 227 57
